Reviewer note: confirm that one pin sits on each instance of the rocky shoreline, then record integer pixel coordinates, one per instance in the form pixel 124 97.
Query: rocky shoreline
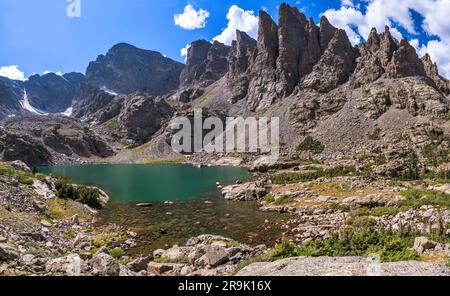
pixel 41 234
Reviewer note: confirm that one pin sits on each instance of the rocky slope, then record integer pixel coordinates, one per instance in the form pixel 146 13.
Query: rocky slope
pixel 42 140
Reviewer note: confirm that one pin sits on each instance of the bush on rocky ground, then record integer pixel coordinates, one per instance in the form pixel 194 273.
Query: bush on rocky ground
pixel 309 144
pixel 389 246
pixel 295 177
pixel 83 194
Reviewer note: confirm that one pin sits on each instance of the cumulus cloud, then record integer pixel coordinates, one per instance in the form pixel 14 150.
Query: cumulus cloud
pixel 12 72
pixel 184 51
pixel 191 19
pixel 238 19
pixel 396 14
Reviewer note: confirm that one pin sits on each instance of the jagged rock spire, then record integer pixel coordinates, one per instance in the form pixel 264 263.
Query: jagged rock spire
pixel 242 51
pixel 293 41
pixel 326 32
pixel 405 62
pixel 335 65
pixel 262 90
pixel 373 41
pixel 205 64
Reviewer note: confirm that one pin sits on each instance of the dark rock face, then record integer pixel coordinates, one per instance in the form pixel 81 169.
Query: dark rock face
pixel 431 70
pixel 10 93
pixel 334 67
pixel 242 52
pixel 262 86
pixel 52 93
pixel 327 32
pixel 141 117
pixel 24 148
pixel 405 62
pixel 95 105
pixel 126 69
pixel 40 140
pixel 292 40
pixel 206 63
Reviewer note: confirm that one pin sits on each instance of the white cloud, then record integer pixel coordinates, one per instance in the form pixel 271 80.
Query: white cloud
pixel 348 3
pixel 12 72
pixel 184 51
pixel 59 73
pixel 238 19
pixel 396 14
pixel 191 19
pixel 438 51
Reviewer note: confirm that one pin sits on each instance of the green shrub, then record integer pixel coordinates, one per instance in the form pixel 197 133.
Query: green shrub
pixel 269 198
pixel 295 177
pixel 116 252
pixel 376 134
pixel 282 200
pixel 416 198
pixel 368 241
pixel 83 194
pixel 311 145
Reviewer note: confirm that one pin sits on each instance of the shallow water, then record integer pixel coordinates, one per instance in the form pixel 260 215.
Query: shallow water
pixel 197 206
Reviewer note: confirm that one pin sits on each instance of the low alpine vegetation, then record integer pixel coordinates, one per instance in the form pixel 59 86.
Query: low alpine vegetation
pixel 309 144
pixel 83 194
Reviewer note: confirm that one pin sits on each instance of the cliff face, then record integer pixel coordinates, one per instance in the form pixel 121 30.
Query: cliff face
pixel 205 64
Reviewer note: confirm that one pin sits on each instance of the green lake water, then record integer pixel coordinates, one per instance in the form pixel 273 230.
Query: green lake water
pixel 197 206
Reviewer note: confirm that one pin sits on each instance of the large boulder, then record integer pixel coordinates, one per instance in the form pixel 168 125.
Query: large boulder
pixel 104 265
pixel 245 192
pixel 8 252
pixel 70 265
pixel 422 244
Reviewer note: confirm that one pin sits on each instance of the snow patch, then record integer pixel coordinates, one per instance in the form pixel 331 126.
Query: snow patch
pixel 25 103
pixel 109 91
pixel 68 112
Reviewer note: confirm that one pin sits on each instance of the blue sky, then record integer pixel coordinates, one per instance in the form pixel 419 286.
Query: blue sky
pixel 38 36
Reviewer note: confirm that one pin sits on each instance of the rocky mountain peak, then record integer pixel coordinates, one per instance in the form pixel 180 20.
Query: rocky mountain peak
pixel 262 75
pixel 126 69
pixel 267 37
pixel 206 63
pixel 52 93
pixel 326 32
pixel 405 61
pixel 430 68
pixel 388 45
pixel 373 41
pixel 334 66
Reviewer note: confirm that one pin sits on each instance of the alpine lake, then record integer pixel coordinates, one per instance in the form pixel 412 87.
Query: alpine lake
pixel 182 201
